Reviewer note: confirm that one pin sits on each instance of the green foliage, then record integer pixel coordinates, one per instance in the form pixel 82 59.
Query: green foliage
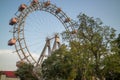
pixel 118 41
pixel 112 67
pixel 112 61
pixel 115 45
pixel 59 66
pixel 94 55
pixel 25 72
pixel 95 42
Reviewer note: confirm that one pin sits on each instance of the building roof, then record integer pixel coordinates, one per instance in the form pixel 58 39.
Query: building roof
pixel 10 74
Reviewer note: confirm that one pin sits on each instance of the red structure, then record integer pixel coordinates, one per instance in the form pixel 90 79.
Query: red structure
pixel 10 74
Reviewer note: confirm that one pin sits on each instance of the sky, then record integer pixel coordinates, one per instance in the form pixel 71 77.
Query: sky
pixel 107 10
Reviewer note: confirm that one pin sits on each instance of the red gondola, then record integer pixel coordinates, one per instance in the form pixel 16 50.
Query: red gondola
pixel 22 7
pixel 67 20
pixel 20 63
pixel 12 42
pixel 74 32
pixel 34 2
pixel 58 10
pixel 13 21
pixel 46 3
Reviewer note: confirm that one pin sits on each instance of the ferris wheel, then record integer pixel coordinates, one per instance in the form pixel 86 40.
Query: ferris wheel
pixel 21 38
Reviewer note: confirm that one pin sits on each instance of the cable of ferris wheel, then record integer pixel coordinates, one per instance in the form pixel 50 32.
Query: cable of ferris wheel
pixel 38 21
pixel 30 20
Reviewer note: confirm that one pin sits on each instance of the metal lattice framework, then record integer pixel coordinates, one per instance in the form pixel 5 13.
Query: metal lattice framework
pixel 18 30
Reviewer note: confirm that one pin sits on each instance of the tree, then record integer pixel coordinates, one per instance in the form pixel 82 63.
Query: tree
pixel 87 57
pixel 59 66
pixel 118 41
pixel 116 45
pixel 112 61
pixel 112 67
pixel 25 72
pixel 95 40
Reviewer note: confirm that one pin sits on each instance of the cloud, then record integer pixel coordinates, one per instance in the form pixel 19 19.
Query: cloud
pixel 5 51
pixel 8 59
pixel 36 56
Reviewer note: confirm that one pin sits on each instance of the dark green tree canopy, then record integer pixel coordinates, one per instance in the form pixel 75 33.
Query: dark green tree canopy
pixel 25 72
pixel 87 58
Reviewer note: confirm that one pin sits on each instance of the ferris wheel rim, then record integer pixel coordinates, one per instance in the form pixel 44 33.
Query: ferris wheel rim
pixel 18 29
